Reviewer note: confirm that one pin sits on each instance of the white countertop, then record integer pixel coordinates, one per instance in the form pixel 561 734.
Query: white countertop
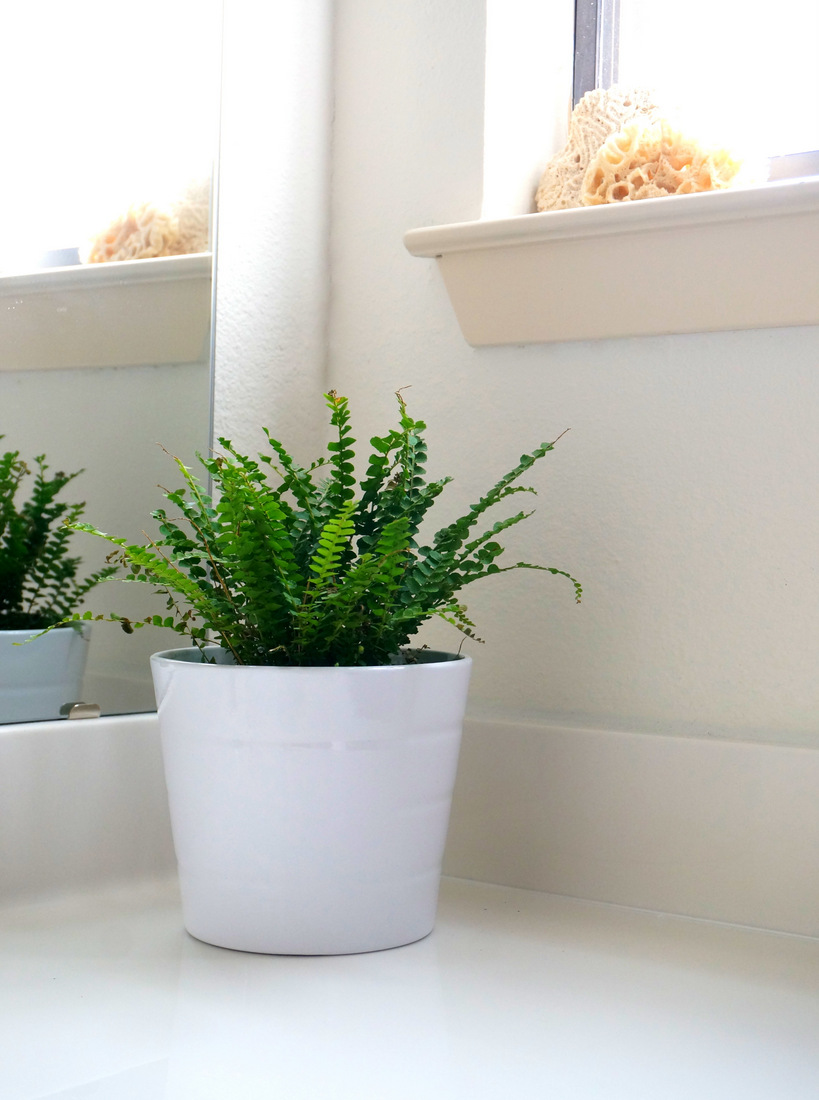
pixel 515 994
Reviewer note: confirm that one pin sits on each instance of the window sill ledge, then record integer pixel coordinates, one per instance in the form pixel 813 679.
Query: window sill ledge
pixel 119 314
pixel 694 263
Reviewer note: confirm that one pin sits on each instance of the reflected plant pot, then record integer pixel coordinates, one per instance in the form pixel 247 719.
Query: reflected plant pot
pixel 309 806
pixel 37 679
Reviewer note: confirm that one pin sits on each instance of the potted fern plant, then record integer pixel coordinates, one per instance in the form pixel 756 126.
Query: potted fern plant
pixel 310 753
pixel 39 587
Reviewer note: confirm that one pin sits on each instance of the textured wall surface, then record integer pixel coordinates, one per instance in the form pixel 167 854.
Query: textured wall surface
pixel 683 496
pixel 272 223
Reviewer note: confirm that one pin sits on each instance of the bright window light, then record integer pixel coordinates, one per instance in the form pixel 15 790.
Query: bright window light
pixel 742 74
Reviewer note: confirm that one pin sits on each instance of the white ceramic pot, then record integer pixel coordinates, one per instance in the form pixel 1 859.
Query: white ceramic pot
pixel 309 806
pixel 39 678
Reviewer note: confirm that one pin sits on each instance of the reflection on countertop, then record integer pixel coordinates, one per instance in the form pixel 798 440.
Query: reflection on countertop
pixel 515 993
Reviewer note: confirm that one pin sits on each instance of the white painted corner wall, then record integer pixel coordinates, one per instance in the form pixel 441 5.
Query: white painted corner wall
pixel 683 497
pixel 715 829
pixel 720 830
pixel 272 229
pixel 657 745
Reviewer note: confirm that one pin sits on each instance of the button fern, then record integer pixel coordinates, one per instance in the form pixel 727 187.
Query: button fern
pixel 287 565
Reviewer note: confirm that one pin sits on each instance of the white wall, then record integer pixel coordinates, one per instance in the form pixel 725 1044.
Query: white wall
pixel 683 497
pixel 272 230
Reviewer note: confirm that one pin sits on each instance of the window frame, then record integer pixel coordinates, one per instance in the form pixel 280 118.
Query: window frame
pixel 596 46
pixel 596 65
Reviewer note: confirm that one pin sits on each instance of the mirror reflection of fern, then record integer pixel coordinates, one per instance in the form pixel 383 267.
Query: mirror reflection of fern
pixel 38 577
pixel 288 565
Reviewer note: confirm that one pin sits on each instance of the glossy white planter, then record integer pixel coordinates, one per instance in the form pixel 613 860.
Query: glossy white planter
pixel 39 678
pixel 309 806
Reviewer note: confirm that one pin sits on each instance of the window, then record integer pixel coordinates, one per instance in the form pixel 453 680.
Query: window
pixel 732 74
pixel 742 257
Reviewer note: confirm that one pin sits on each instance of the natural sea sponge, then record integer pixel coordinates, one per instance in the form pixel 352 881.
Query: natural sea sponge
pixel 598 115
pixel 192 211
pixel 150 229
pixel 644 162
pixel 143 231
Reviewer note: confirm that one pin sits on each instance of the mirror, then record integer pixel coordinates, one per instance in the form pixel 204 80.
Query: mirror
pixel 105 284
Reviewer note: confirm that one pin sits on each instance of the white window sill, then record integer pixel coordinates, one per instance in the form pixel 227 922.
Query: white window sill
pixel 694 263
pixel 118 314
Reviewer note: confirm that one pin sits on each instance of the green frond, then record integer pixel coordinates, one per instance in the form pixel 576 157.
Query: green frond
pixel 282 567
pixel 40 579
